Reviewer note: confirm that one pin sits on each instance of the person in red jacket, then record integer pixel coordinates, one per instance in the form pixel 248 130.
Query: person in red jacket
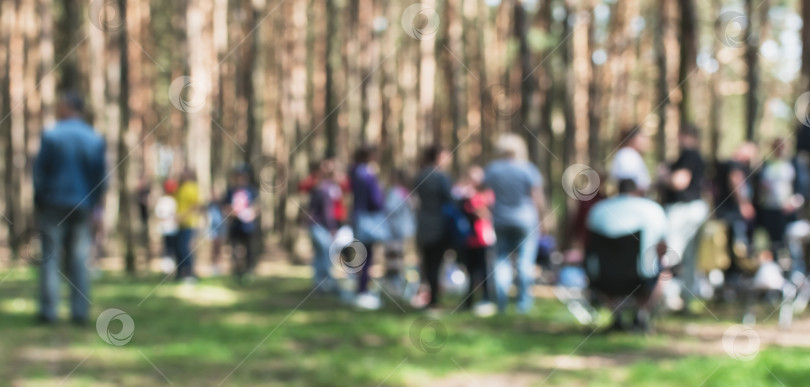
pixel 308 183
pixel 475 202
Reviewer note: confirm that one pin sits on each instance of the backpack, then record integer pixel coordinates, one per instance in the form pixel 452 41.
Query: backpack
pixel 457 224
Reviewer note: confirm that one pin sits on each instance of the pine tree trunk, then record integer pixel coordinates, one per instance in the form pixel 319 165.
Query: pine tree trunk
pixel 542 148
pixel 688 55
pixel 804 83
pixel 198 142
pixel 15 156
pixel 752 74
pixel 662 86
pixel 582 77
pixel 125 205
pixel 7 18
pixel 427 77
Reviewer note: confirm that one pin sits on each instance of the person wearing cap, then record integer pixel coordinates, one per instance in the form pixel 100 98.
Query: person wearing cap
pixel 69 183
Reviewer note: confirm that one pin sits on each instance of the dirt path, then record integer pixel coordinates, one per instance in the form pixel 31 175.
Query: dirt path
pixel 704 339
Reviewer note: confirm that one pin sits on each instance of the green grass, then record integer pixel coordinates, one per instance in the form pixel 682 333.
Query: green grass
pixel 198 335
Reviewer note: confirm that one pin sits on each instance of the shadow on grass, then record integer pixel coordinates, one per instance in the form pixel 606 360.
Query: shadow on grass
pixel 217 330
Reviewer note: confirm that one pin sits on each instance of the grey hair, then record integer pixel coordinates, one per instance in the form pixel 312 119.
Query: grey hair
pixel 511 145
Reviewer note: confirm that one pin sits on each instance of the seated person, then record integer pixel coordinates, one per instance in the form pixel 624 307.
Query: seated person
pixel 627 214
pixel 734 191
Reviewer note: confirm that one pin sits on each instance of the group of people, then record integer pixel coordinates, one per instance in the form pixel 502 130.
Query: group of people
pixel 489 216
pixel 745 197
pixel 496 209
pixel 501 206
pixel 233 217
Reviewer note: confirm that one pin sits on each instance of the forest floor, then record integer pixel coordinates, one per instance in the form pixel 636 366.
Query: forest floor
pixel 275 331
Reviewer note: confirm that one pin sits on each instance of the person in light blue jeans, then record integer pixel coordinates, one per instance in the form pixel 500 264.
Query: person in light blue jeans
pixel 519 200
pixel 522 242
pixel 323 223
pixel 321 264
pixel 68 184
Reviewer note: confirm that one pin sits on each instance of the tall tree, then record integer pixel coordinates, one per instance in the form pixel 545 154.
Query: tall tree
pixel 198 141
pixel 540 151
pixel 661 79
pixel 752 75
pixel 716 103
pixel 7 19
pixel 455 79
pixel 330 123
pixel 581 74
pixel 427 75
pixel 15 146
pixel 128 12
pixel 688 55
pixel 804 83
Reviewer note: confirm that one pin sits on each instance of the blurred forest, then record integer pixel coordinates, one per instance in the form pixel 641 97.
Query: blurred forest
pixel 209 84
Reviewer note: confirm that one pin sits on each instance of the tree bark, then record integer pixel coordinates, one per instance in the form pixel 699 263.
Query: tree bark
pixel 662 85
pixel 125 205
pixel 804 83
pixel 427 76
pixel 752 73
pixel 688 56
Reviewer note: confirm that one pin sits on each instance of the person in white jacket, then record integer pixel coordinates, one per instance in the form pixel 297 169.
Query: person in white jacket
pixel 166 212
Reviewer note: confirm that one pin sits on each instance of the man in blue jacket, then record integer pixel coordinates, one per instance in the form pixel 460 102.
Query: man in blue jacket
pixel 69 182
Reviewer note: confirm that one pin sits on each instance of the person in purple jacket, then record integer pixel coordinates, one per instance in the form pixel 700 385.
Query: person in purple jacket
pixel 368 198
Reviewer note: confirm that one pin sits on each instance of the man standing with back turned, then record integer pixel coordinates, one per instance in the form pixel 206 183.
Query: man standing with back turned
pixel 68 185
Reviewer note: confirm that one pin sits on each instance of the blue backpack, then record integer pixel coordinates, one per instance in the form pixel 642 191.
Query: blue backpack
pixel 457 224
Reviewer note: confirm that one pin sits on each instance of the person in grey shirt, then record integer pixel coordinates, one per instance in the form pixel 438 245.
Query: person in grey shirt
pixel 433 187
pixel 519 200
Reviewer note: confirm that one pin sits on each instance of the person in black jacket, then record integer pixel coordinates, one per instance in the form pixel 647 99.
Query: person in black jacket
pixel 685 208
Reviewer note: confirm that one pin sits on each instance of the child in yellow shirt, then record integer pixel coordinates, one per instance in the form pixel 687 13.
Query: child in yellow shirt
pixel 188 205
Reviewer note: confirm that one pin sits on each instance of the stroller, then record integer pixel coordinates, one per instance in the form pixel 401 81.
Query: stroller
pixel 757 276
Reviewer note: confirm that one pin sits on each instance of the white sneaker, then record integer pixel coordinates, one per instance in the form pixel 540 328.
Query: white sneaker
pixel 485 309
pixel 167 265
pixel 367 301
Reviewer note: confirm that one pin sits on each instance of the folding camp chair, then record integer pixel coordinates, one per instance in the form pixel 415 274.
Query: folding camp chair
pixel 612 268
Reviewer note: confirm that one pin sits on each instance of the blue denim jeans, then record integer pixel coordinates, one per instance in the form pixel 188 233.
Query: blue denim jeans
pixel 185 256
pixel 522 242
pixel 321 262
pixel 73 231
